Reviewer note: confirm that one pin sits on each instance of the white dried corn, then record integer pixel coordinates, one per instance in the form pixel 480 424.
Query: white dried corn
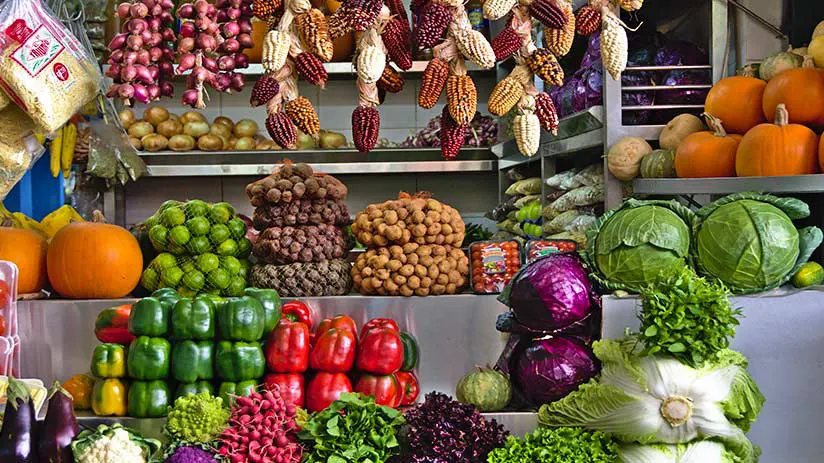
pixel 497 9
pixel 474 46
pixel 299 6
pixel 527 127
pixel 631 5
pixel 275 50
pixel 614 44
pixel 371 61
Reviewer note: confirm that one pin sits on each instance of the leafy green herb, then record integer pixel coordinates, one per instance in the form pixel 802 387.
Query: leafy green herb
pixel 354 429
pixel 558 445
pixel 687 317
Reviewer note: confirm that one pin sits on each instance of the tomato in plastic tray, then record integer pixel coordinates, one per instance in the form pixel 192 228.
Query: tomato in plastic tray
pixel 540 248
pixel 493 264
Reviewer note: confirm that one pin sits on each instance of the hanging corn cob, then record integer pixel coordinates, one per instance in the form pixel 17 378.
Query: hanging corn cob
pixel 614 43
pixel 559 40
pixel 527 127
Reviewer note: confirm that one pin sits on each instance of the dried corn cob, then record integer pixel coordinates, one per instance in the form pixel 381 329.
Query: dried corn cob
pixel 614 44
pixel 396 8
pixel 559 41
pixel 506 43
pixel 547 115
pixel 398 42
pixel 497 9
pixel 504 96
pixel 587 20
pixel 359 15
pixel 526 127
pixel 282 130
pixel 366 123
pixel 631 5
pixel 474 46
pixel 433 21
pixel 264 90
pixel 391 80
pixel 432 83
pixel 302 113
pixel 451 135
pixel 298 7
pixel 275 50
pixel 415 6
pixel 461 98
pixel 543 64
pixel 370 63
pixel 311 68
pixel 549 13
pixel 264 9
pixel 314 33
pixel 337 27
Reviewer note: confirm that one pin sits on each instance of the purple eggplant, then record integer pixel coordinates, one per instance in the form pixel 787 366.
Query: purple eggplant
pixel 59 428
pixel 17 436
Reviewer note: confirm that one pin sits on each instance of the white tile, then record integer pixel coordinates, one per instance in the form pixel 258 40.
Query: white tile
pixel 470 193
pixel 337 102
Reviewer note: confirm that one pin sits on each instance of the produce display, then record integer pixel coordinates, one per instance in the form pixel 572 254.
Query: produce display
pixel 327 278
pixel 493 264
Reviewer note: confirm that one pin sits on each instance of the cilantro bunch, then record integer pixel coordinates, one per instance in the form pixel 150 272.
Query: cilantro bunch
pixel 558 445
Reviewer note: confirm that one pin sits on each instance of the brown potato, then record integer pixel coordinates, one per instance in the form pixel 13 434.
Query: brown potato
pixel 413 282
pixel 406 291
pixel 422 291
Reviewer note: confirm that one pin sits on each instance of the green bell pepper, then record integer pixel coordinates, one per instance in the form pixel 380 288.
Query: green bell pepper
pixel 109 361
pixel 243 389
pixel 239 361
pixel 149 399
pixel 192 361
pixel 270 300
pixel 167 296
pixel 149 317
pixel 241 319
pixel 149 358
pixel 411 352
pixel 194 388
pixel 193 319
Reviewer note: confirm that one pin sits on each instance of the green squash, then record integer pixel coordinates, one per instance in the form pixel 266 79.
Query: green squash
pixel 487 389
pixel 658 164
pixel 778 63
pixel 810 274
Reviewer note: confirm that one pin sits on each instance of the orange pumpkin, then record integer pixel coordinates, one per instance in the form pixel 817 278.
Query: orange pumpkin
pixel 27 249
pixel 708 153
pixel 737 102
pixel 94 260
pixel 801 90
pixel 343 47
pixel 778 149
pixel 821 154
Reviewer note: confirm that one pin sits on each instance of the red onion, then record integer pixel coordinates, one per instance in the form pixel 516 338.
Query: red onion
pixel 143 57
pixel 154 92
pixel 146 35
pixel 149 3
pixel 221 82
pixel 211 10
pixel 231 46
pixel 139 10
pixel 113 71
pixel 200 75
pixel 222 17
pixel 187 61
pixel 136 26
pixel 116 56
pixel 233 13
pixel 237 82
pixel 206 42
pixel 117 42
pixel 210 64
pixel 166 69
pixel 128 74
pixel 134 42
pixel 167 17
pixel 144 75
pixel 245 26
pixel 241 61
pixel 222 3
pixel 202 7
pixel 203 23
pixel 124 10
pixel 245 40
pixel 156 10
pixel 141 93
pixel 236 3
pixel 231 29
pixel 113 91
pixel 167 89
pixel 187 29
pixel 186 11
pixel 154 73
pixel 190 97
pixel 126 91
pixel 168 54
pixel 246 10
pixel 154 23
pixel 167 4
pixel 186 44
pixel 130 57
pixel 226 63
pixel 213 28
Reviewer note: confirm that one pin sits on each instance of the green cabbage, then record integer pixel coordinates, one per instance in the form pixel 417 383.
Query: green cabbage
pixel 695 452
pixel 639 243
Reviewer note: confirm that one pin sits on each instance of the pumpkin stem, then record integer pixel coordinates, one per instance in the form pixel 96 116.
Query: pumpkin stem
pixel 782 117
pixel 715 124
pixel 98 217
pixel 808 62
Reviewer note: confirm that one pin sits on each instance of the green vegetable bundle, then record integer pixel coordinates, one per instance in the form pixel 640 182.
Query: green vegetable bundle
pixel 557 445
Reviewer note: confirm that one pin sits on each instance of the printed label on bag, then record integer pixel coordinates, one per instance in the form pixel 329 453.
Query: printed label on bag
pixel 19 31
pixel 37 51
pixel 494 260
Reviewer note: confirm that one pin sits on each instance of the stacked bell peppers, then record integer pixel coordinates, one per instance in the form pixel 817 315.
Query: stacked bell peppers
pixel 239 360
pixel 333 356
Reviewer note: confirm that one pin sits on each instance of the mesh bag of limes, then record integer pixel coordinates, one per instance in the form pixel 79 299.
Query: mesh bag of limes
pixel 203 249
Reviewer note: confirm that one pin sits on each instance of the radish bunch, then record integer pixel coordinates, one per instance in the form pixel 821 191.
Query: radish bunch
pixel 262 429
pixel 142 55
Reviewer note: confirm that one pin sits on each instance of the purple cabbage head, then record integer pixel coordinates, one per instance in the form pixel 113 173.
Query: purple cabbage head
pixel 564 97
pixel 592 57
pixel 550 293
pixel 679 52
pixel 551 368
pixel 690 97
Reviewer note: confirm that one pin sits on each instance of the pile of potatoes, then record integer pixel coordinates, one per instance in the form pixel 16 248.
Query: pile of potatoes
pixel 161 130
pixel 411 269
pixel 409 219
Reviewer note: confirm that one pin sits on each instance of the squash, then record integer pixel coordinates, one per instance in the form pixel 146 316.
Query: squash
pixel 708 154
pixel 27 249
pixel 778 63
pixel 94 260
pixel 678 129
pixel 778 149
pixel 658 164
pixel 737 102
pixel 801 91
pixel 487 389
pixel 749 70
pixel 343 47
pixel 800 51
pixel 818 31
pixel 816 51
pixel 624 157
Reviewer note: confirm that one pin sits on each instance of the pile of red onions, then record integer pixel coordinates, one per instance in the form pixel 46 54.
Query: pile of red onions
pixel 212 40
pixel 142 56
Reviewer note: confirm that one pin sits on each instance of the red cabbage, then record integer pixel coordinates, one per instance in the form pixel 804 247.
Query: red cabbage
pixel 563 97
pixel 680 53
pixel 592 57
pixel 551 368
pixel 685 97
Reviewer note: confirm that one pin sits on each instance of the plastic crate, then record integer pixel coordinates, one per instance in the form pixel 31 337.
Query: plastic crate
pixel 8 297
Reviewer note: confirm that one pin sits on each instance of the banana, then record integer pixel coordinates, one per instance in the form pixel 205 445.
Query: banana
pixel 7 219
pixel 58 219
pixel 27 222
pixel 56 149
pixel 67 152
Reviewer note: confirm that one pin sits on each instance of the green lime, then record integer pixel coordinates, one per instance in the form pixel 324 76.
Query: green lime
pixel 244 247
pixel 167 204
pixel 177 250
pixel 179 235
pixel 165 260
pixel 228 207
pixel 186 292
pixel 196 208
pixel 207 262
pixel 188 266
pixel 236 287
pixel 237 227
pixel 245 265
pixel 149 279
pixel 199 245
pixel 172 216
pixel 227 248
pixel 221 213
pixel 230 264
pixel 214 293
pixel 159 236
pixel 219 278
pixel 219 233
pixel 151 222
pixel 199 226
pixel 194 280
pixel 171 276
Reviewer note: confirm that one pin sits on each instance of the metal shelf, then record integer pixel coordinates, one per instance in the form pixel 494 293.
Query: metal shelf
pixel 336 162
pixel 682 186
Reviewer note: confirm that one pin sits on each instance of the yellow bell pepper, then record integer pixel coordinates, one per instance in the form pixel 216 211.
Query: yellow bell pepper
pixel 109 397
pixel 80 387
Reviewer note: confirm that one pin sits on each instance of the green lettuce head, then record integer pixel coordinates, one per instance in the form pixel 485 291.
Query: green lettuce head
pixel 639 243
pixel 748 241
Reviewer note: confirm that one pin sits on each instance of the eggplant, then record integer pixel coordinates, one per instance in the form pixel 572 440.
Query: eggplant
pixel 59 428
pixel 18 434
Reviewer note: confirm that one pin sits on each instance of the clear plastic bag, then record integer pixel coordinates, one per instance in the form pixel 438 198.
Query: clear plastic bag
pixel 19 149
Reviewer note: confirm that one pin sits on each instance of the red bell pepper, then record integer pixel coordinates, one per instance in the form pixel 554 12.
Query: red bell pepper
pixel 409 387
pixel 298 311
pixel 290 386
pixel 287 349
pixel 334 351
pixel 378 323
pixel 385 389
pixel 326 388
pixel 112 325
pixel 341 322
pixel 380 352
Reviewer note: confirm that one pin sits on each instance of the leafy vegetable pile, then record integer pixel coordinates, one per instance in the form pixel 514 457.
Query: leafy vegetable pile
pixel 442 430
pixel 695 452
pixel 196 418
pixel 354 429
pixel 559 445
